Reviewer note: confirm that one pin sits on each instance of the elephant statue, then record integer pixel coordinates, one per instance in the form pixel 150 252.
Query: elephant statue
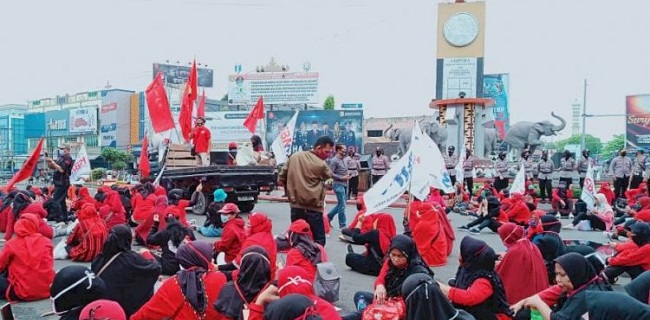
pixel 490 137
pixel 436 132
pixel 526 135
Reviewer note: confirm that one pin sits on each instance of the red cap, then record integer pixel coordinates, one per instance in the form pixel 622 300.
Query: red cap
pixel 232 145
pixel 103 309
pixel 300 226
pixel 229 208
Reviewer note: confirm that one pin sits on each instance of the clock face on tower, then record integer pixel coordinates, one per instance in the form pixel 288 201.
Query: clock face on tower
pixel 461 29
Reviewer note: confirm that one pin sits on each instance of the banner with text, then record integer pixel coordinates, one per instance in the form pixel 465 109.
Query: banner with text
pixel 83 120
pixel 226 127
pixel 276 87
pixel 497 88
pixel 81 166
pixel 108 129
pixel 637 125
pixel 391 186
pixel 456 75
pixel 588 194
pixel 281 146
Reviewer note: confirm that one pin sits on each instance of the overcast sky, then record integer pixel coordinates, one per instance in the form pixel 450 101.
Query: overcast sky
pixel 378 52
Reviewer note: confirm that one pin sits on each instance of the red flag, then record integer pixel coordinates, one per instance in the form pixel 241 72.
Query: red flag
pixel 159 112
pixel 145 167
pixel 28 167
pixel 200 112
pixel 185 117
pixel 192 82
pixel 256 114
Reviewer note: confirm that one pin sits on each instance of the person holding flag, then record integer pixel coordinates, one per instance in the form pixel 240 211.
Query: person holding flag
pixel 202 139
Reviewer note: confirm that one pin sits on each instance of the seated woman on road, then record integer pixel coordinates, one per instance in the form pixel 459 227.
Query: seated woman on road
pixel 177 205
pixel 213 226
pixel 550 243
pixel 83 197
pixel 26 263
pixel 294 280
pixel 632 256
pixel 519 213
pixel 377 241
pixel 402 261
pixel 562 200
pixel 477 288
pixel 144 227
pixel 522 263
pixel 430 236
pixel 261 228
pixel 615 305
pixel 304 252
pixel 145 203
pixel 129 276
pixel 639 288
pixel 73 288
pixel 424 300
pixel 22 204
pixel 252 278
pixel 492 218
pixel 575 276
pixel 112 210
pixel 233 234
pixel 293 306
pixel 88 236
pixel 347 233
pixel 169 240
pixel 601 217
pixel 191 292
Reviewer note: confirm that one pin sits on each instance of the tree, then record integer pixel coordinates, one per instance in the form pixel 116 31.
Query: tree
pixel 115 157
pixel 593 144
pixel 613 146
pixel 329 103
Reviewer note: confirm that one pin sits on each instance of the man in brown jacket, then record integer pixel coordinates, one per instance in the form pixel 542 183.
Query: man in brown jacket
pixel 303 177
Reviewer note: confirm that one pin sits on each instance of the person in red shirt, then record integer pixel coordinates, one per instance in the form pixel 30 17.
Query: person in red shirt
pixel 261 234
pixel 22 204
pixel 562 200
pixel 144 228
pixel 190 293
pixel 376 237
pixel 294 280
pixel 522 263
pixel 88 236
pixel 634 257
pixel 631 195
pixel 28 262
pixel 202 139
pixel 477 288
pixel 519 213
pixel 429 236
pixel 233 234
pixel 177 205
pixel 347 232
pixel 143 203
pixel 606 189
pixel 232 153
pixel 83 197
pixel 112 210
pixel 304 252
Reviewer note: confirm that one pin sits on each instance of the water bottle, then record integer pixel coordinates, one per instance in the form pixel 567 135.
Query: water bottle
pixel 361 304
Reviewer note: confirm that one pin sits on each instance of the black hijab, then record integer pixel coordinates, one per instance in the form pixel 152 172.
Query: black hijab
pixel 641 232
pixel 425 300
pixel 639 288
pixel 253 276
pixel 493 206
pixel 551 223
pixel 73 288
pixel 21 201
pixel 578 269
pixel 119 240
pixel 195 258
pixel 615 305
pixel 306 246
pixel 396 276
pixel 290 307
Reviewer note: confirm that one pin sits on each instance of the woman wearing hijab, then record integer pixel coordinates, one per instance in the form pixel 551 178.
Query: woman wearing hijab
pixel 261 235
pixel 83 197
pixel 633 258
pixel 23 204
pixel 639 288
pixel 521 264
pixel 550 243
pixel 347 232
pixel 304 252
pixel 601 217
pixel 376 239
pixel 402 261
pixel 477 288
pixel 561 200
pixel 293 307
pixel 615 305
pixel 575 276
pixel 429 236
pixel 88 236
pixel 129 277
pixel 103 309
pixel 144 227
pixel 294 280
pixel 190 293
pixel 606 190
pixel 73 288
pixel 424 300
pixel 519 212
pixel 143 202
pixel 252 278
pixel 177 205
pixel 112 210
pixel 493 217
pixel 213 226
pixel 27 261
pixel 169 240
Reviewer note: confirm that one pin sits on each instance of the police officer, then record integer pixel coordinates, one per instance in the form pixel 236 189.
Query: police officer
pixel 468 167
pixel 620 169
pixel 451 161
pixel 501 172
pixel 61 180
pixel 638 168
pixel 583 166
pixel 545 177
pixel 567 166
pixel 527 162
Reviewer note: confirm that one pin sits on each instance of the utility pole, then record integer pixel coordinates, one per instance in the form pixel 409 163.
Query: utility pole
pixel 584 115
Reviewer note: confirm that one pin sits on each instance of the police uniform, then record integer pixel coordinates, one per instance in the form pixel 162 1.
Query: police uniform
pixel 638 168
pixel 567 166
pixel 468 167
pixel 583 166
pixel 621 167
pixel 501 174
pixel 545 178
pixel 451 161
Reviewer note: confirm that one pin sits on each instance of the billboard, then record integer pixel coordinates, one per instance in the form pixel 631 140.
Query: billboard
pixel 108 129
pixel 277 88
pixel 637 124
pixel 497 88
pixel 342 126
pixel 83 120
pixel 228 126
pixel 456 75
pixel 56 123
pixel 179 74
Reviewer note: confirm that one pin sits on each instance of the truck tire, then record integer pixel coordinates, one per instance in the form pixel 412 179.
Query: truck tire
pixel 246 206
pixel 201 205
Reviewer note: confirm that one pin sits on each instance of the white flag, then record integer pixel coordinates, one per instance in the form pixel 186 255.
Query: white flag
pixel 281 146
pixel 81 165
pixel 588 194
pixel 460 174
pixel 519 184
pixel 429 168
pixel 391 186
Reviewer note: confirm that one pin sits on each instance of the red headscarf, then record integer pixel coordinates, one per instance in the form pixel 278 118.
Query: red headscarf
pixel 294 280
pixel 88 211
pixel 259 222
pixel 522 269
pixel 385 224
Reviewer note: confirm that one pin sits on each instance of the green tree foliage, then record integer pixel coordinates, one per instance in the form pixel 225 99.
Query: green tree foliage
pixel 612 146
pixel 329 103
pixel 116 157
pixel 119 165
pixel 592 143
pixel 97 174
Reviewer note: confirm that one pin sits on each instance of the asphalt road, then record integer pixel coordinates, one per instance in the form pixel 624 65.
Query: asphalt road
pixel 351 281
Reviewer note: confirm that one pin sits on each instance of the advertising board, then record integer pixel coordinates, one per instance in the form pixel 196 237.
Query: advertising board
pixel 277 88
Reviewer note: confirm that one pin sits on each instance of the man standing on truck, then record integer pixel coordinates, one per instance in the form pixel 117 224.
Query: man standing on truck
pixel 201 138
pixel 61 179
pixel 340 174
pixel 303 176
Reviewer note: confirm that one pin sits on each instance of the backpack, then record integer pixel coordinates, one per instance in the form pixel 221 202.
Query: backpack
pixel 327 282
